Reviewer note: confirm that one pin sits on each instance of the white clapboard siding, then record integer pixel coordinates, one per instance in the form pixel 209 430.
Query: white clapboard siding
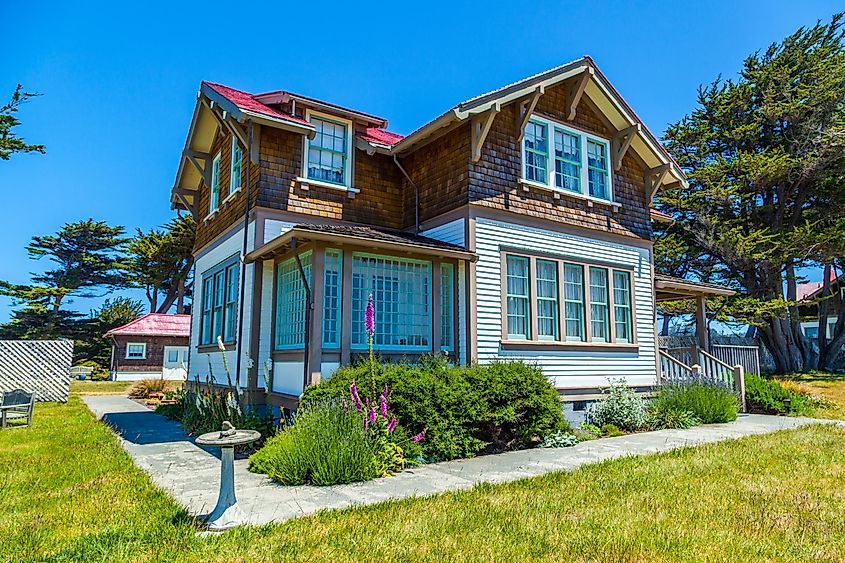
pixel 568 369
pixel 274 228
pixel 201 365
pixel 452 232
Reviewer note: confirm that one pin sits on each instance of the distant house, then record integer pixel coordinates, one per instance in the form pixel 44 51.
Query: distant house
pixel 810 292
pixel 152 346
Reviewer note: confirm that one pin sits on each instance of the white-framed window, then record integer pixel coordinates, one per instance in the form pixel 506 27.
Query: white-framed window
pixel 328 156
pixel 235 167
pixel 136 351
pixel 402 297
pixel 560 157
pixel 219 302
pixel 214 193
pixel 290 303
pixel 332 295
pixel 447 307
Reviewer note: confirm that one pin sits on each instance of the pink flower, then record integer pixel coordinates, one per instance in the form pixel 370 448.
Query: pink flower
pixel 383 405
pixel 370 316
pixel 353 391
pixel 418 437
pixel 372 415
pixel 391 426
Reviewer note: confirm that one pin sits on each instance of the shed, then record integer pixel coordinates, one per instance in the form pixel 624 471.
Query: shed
pixel 152 346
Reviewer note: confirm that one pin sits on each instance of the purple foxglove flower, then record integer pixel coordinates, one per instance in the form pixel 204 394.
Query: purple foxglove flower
pixel 372 415
pixel 353 391
pixel 391 426
pixel 370 316
pixel 418 437
pixel 383 406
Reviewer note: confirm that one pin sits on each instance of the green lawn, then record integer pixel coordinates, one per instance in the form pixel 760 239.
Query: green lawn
pixel 88 387
pixel 68 492
pixel 831 386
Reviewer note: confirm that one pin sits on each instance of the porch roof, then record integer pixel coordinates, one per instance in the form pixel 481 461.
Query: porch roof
pixel 377 239
pixel 670 288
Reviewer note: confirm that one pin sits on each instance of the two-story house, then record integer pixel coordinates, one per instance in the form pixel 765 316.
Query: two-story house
pixel 515 225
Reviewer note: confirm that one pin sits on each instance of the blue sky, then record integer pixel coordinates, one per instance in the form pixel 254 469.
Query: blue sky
pixel 119 82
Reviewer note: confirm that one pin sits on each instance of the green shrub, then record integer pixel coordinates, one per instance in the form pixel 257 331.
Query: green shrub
pixel 559 439
pixel 708 403
pixel 661 417
pixel 326 445
pixel 611 430
pixel 142 389
pixel 768 396
pixel 465 410
pixel 621 407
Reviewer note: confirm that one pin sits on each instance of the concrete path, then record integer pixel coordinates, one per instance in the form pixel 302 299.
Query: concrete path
pixel 192 475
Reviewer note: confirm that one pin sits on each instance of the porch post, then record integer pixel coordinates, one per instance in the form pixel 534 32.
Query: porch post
pixel 315 349
pixel 701 332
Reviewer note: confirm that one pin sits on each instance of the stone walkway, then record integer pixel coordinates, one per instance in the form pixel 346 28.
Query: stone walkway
pixel 192 475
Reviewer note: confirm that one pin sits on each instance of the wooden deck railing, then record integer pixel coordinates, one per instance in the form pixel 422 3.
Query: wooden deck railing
pixel 710 370
pixel 745 356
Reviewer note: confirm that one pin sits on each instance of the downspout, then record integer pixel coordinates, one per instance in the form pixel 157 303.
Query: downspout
pixel 242 291
pixel 416 196
pixel 308 307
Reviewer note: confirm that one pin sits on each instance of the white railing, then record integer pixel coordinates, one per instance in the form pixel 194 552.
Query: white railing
pixel 715 370
pixel 674 371
pixel 746 356
pixel 710 370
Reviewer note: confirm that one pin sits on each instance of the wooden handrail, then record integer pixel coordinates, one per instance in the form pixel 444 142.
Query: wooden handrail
pixel 715 359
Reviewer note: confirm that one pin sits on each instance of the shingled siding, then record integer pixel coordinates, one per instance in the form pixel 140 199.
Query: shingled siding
pixel 440 170
pixel 229 212
pixel 154 359
pixel 379 201
pixel 494 180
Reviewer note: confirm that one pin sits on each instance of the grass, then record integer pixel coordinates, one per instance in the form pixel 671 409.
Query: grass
pixel 88 387
pixel 831 386
pixel 68 492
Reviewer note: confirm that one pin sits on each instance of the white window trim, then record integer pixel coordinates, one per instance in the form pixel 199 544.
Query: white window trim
pixel 347 173
pixel 213 210
pixel 234 192
pixel 143 346
pixel 550 162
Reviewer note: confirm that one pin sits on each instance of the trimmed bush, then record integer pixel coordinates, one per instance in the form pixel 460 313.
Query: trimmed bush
pixel 464 410
pixel 326 445
pixel 768 396
pixel 620 407
pixel 709 404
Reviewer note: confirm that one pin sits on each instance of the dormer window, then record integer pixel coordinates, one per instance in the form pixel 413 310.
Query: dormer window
pixel 328 155
pixel 565 159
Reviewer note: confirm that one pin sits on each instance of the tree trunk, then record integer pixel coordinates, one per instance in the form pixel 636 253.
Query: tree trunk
pixel 664 329
pixel 824 337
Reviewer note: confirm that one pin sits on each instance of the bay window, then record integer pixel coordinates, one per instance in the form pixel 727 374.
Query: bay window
pixel 290 303
pixel 332 297
pixel 219 303
pixel 580 160
pixel 551 300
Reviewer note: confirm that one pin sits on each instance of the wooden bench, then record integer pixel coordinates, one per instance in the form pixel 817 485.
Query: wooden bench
pixel 16 405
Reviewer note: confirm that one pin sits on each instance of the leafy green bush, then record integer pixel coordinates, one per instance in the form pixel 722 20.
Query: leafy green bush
pixel 710 404
pixel 768 396
pixel 465 410
pixel 611 430
pixel 559 439
pixel 662 417
pixel 327 445
pixel 621 407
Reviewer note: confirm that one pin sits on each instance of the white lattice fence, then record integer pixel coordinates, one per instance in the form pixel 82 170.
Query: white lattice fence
pixel 42 366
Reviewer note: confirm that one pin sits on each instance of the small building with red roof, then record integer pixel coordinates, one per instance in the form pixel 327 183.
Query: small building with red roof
pixel 152 346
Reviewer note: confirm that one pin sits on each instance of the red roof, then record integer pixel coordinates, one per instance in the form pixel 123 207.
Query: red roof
pixel 380 137
pixel 247 101
pixel 155 324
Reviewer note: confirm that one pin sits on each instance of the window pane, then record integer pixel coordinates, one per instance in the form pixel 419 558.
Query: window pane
pixel 547 325
pixel 235 173
pixel 401 291
pixel 290 303
pixel 622 305
pixel 327 152
pixel 517 296
pixel 207 305
pixel 331 298
pixel 573 294
pixel 567 161
pixel 214 194
pixel 217 311
pixel 536 152
pixel 598 305
pixel 597 163
pixel 230 310
pixel 447 307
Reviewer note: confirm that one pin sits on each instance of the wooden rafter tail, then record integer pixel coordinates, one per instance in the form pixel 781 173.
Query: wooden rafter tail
pixel 525 106
pixel 622 142
pixel 481 125
pixel 578 91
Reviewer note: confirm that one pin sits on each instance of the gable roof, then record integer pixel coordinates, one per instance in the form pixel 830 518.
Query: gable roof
pixel 155 324
pixel 812 290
